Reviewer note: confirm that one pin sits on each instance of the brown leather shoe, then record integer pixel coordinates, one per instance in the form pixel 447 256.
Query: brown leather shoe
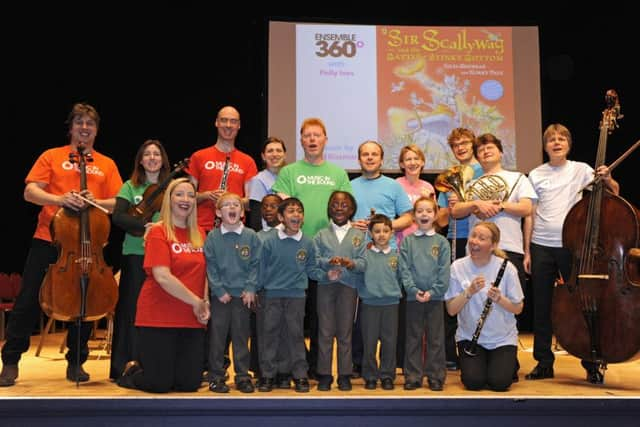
pixel 8 375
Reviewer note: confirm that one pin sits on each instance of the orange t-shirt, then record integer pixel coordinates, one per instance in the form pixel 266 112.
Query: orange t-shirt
pixel 156 307
pixel 207 166
pixel 54 169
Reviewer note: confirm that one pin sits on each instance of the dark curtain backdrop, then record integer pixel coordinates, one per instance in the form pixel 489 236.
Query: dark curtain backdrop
pixel 163 72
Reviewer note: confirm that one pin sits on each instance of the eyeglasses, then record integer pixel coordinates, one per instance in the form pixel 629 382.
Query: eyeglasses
pixel 225 120
pixel 457 145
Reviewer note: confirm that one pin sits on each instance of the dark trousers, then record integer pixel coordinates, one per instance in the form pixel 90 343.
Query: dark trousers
pixel 26 310
pixel 283 361
pixel 278 311
pixel 356 339
pixel 125 343
pixel 546 263
pixel 492 369
pixel 232 319
pixel 170 359
pixel 336 308
pixel 311 324
pixel 379 323
pixel 451 322
pixel 424 319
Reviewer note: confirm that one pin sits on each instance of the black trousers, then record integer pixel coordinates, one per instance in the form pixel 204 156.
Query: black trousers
pixel 170 359
pixel 26 310
pixel 125 342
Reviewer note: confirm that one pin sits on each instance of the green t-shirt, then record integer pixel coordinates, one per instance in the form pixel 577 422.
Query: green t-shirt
pixel 133 245
pixel 312 184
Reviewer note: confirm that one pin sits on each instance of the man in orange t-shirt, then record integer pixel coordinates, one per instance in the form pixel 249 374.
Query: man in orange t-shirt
pixel 221 168
pixel 54 182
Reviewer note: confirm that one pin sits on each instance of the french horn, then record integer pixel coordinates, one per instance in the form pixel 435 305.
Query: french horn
pixel 488 188
pixel 455 179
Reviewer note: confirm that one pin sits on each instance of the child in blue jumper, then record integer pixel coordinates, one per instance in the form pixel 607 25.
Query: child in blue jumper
pixel 288 257
pixel 232 252
pixel 424 266
pixel 340 253
pixel 380 295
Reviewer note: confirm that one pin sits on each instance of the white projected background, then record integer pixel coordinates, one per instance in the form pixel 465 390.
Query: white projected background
pixel 401 85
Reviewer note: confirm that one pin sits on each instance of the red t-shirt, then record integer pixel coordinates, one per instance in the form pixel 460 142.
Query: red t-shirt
pixel 54 169
pixel 207 166
pixel 156 307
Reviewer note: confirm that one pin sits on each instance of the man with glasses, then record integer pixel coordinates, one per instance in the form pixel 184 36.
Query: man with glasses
pixel 461 142
pixel 221 167
pixel 218 169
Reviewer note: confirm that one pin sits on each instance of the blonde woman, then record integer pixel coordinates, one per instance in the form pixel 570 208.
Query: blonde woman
pixel 470 287
pixel 172 309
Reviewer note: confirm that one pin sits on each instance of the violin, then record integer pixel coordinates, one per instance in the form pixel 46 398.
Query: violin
pixel 80 285
pixel 152 197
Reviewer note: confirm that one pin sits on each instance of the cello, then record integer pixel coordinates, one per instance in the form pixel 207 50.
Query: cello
pixel 596 312
pixel 80 285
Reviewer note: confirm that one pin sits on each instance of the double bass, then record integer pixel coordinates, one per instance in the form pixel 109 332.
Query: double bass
pixel 596 312
pixel 80 286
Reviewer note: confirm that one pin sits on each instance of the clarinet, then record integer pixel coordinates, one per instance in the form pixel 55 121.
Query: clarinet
pixel 223 185
pixel 225 172
pixel 470 350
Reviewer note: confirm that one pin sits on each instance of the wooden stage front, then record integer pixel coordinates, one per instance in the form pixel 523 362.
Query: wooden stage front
pixel 42 396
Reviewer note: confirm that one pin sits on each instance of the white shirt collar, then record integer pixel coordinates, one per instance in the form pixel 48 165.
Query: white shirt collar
pixel 419 232
pixel 344 228
pixel 225 230
pixel 281 235
pixel 384 251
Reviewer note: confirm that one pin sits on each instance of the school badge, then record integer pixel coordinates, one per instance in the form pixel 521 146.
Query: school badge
pixel 301 255
pixel 244 251
pixel 393 262
pixel 435 250
pixel 356 241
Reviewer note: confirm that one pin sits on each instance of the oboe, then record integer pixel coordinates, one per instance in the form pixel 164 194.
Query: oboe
pixel 470 350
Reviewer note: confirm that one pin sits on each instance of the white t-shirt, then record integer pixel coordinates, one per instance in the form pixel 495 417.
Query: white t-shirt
pixel 500 326
pixel 558 189
pixel 510 225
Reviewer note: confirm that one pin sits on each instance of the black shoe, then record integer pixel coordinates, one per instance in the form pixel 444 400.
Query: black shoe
pixel 324 382
pixel 412 385
pixel 283 381
pixel 387 384
pixel 8 375
pixel 126 379
pixel 540 373
pixel 594 376
pixel 356 371
pixel 452 365
pixel 370 384
pixel 344 383
pixel 266 385
pixel 218 386
pixel 77 374
pixel 301 385
pixel 245 386
pixel 436 385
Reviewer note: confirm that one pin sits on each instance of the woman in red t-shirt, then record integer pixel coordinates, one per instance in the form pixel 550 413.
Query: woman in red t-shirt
pixel 172 307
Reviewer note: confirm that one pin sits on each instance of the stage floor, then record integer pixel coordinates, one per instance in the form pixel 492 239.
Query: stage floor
pixel 44 377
